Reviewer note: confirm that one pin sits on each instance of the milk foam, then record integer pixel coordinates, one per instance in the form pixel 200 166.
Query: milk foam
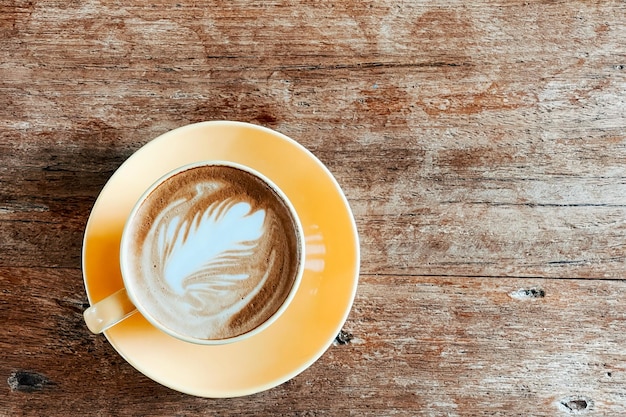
pixel 214 258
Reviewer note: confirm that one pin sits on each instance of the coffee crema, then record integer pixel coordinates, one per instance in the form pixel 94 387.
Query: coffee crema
pixel 213 252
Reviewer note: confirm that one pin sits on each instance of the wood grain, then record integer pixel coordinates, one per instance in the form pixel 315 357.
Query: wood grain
pixel 419 346
pixel 480 144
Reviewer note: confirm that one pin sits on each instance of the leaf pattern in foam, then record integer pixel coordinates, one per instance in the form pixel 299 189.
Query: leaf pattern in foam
pixel 204 250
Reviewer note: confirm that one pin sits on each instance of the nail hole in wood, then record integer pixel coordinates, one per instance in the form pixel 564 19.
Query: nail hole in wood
pixel 343 338
pixel 575 405
pixel 26 381
pixel 528 294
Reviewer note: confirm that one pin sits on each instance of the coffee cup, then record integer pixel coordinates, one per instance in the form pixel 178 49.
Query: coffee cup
pixel 211 253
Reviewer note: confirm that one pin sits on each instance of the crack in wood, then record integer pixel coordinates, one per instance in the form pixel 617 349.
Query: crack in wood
pixel 535 205
pixel 368 65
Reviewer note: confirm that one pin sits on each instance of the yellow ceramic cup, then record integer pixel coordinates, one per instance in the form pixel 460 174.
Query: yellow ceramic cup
pixel 132 298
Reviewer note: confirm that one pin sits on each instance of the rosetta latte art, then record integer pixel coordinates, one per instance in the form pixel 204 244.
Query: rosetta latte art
pixel 207 257
pixel 216 259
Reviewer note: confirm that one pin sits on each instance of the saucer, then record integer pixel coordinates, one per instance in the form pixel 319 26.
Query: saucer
pixel 320 307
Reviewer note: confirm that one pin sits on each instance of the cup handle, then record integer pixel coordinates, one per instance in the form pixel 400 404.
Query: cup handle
pixel 108 312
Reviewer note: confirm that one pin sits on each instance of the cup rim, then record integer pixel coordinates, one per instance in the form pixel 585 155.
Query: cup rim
pixel 268 322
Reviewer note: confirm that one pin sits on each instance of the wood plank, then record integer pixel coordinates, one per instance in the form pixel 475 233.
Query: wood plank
pixel 416 217
pixel 419 346
pixel 496 130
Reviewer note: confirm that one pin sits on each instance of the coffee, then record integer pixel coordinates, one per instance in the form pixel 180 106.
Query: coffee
pixel 212 252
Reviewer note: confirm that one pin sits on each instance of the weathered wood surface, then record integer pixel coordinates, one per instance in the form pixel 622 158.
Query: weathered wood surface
pixel 482 146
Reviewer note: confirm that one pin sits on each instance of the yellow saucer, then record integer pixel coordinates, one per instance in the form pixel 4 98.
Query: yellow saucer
pixel 310 323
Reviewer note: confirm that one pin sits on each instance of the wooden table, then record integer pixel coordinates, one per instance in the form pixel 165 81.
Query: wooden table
pixel 482 147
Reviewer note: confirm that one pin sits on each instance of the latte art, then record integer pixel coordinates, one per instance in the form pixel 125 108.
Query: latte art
pixel 215 252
